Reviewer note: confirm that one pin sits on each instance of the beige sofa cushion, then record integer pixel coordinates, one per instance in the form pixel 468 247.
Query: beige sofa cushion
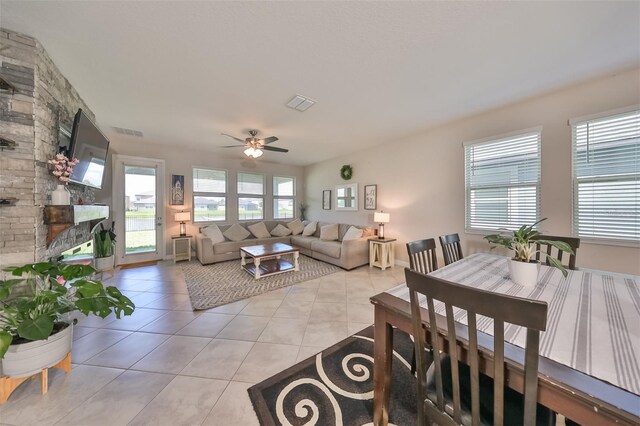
pixel 296 226
pixel 352 233
pixel 310 229
pixel 236 233
pixel 302 241
pixel 280 231
pixel 259 230
pixel 213 233
pixel 329 248
pixel 329 232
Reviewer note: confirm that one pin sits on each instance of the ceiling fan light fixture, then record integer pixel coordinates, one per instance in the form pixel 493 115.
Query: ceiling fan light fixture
pixel 257 153
pixel 249 151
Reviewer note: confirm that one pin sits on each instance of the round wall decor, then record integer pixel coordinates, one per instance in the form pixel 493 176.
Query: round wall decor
pixel 346 172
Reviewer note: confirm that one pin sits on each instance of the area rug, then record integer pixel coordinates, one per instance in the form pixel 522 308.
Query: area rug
pixel 335 387
pixel 221 283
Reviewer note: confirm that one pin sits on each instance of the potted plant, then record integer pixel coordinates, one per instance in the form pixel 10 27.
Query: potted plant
pixel 103 240
pixel 35 313
pixel 522 267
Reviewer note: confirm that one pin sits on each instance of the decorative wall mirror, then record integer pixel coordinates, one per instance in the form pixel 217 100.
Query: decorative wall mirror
pixel 347 197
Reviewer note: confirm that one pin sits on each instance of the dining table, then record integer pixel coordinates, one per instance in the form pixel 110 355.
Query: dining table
pixel 589 368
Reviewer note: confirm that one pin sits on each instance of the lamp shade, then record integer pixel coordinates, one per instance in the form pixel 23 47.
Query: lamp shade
pixel 381 217
pixel 182 216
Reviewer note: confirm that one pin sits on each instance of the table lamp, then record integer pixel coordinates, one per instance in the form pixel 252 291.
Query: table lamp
pixel 381 218
pixel 182 217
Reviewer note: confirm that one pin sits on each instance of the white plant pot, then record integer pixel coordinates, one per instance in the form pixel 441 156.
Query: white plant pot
pixel 26 359
pixel 524 274
pixel 103 263
pixel 60 196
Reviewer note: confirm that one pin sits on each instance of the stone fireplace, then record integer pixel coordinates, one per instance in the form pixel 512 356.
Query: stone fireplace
pixel 35 103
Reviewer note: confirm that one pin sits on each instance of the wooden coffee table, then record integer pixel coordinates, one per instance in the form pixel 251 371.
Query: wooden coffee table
pixel 267 259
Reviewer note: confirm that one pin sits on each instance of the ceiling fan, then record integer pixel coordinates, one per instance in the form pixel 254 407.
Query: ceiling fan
pixel 254 146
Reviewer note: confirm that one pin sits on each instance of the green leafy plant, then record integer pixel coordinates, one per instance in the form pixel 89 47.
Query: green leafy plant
pixel 522 242
pixel 103 240
pixel 38 303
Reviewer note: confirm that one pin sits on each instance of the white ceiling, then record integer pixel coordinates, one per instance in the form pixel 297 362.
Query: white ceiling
pixel 183 72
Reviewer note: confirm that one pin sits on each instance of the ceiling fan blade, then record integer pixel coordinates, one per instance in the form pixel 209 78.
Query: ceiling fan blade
pixel 271 139
pixel 233 137
pixel 231 146
pixel 273 148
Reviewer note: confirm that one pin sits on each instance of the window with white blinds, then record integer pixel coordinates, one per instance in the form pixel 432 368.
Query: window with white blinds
pixel 606 177
pixel 284 191
pixel 502 182
pixel 209 195
pixel 250 196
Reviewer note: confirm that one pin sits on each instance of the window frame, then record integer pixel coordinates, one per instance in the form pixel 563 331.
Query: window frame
pixel 468 229
pixel 573 124
pixel 275 197
pixel 195 194
pixel 240 195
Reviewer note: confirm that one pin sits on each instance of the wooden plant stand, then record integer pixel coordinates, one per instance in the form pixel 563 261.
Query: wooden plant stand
pixel 9 384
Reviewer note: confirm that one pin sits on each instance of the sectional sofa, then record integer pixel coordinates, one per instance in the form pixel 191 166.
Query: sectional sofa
pixel 345 253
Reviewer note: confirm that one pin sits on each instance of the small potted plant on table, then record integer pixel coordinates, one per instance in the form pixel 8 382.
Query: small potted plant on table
pixel 523 268
pixel 36 327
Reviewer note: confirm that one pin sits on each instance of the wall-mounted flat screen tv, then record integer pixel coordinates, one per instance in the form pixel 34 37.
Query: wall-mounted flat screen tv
pixel 90 146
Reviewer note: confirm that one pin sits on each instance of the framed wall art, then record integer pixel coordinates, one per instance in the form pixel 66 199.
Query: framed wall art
pixel 177 190
pixel 326 199
pixel 370 197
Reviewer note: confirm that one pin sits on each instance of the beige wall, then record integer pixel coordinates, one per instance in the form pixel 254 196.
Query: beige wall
pixel 179 161
pixel 421 179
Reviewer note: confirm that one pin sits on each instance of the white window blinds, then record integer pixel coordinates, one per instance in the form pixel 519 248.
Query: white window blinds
pixel 250 183
pixel 606 177
pixel 502 182
pixel 209 180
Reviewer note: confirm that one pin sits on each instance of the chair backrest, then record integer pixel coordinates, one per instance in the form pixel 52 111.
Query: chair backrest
pixel 451 249
pixel 502 308
pixel 422 255
pixel 552 251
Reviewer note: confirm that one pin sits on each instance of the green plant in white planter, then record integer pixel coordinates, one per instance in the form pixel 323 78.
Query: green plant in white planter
pixel 103 241
pixel 37 306
pixel 36 329
pixel 522 242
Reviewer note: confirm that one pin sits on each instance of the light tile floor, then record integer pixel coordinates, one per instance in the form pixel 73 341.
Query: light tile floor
pixel 168 365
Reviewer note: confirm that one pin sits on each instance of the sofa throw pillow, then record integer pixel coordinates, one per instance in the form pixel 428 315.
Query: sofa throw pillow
pixel 259 230
pixel 236 233
pixel 352 233
pixel 213 233
pixel 329 232
pixel 310 229
pixel 296 226
pixel 280 231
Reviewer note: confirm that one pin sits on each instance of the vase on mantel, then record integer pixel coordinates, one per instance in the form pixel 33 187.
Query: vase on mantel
pixel 60 196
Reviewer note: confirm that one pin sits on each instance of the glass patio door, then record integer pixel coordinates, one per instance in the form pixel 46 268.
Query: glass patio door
pixel 138 205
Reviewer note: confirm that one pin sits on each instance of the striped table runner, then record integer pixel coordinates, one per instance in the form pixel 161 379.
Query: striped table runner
pixel 593 320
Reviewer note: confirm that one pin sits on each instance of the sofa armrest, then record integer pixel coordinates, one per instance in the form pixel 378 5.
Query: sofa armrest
pixel 204 249
pixel 355 252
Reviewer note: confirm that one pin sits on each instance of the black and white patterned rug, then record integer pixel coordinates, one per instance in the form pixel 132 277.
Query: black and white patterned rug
pixel 335 387
pixel 225 282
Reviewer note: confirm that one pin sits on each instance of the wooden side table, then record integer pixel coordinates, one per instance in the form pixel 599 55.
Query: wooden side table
pixel 181 247
pixel 381 253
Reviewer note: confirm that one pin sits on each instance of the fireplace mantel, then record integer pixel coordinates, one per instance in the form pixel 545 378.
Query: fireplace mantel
pixel 61 218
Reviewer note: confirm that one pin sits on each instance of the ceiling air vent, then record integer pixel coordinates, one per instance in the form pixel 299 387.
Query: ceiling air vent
pixel 128 132
pixel 300 103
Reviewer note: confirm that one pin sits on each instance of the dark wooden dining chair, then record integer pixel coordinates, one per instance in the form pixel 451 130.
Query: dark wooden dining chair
pixel 573 242
pixel 454 392
pixel 422 258
pixel 422 255
pixel 451 249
